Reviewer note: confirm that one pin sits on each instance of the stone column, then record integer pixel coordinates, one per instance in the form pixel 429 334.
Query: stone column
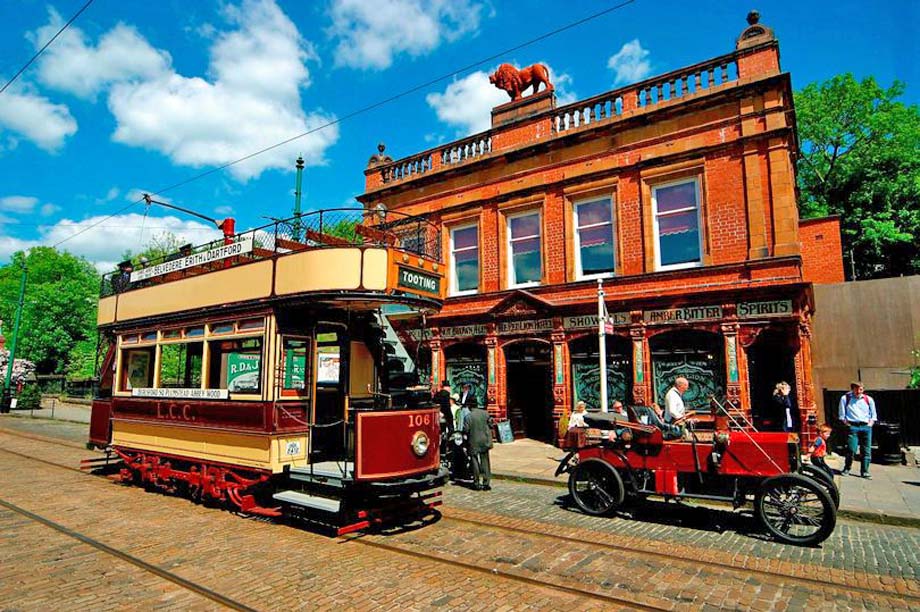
pixel 437 362
pixel 492 406
pixel 805 389
pixel 642 367
pixel 561 390
pixel 734 384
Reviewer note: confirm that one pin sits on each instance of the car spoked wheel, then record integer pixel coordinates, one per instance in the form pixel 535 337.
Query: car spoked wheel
pixel 823 479
pixel 795 509
pixel 596 487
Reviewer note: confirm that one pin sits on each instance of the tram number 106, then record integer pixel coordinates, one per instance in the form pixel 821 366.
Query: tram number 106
pixel 417 420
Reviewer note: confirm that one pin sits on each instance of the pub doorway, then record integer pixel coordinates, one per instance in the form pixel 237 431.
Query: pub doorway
pixel 529 376
pixel 771 359
pixel 465 363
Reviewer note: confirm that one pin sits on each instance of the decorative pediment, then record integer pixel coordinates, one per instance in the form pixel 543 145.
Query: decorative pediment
pixel 521 303
pixel 755 34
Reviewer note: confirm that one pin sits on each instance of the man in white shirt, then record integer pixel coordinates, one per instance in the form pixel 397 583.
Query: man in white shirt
pixel 674 402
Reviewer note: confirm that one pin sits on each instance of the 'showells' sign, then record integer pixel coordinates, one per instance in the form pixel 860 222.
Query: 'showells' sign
pixel 241 246
pixel 411 279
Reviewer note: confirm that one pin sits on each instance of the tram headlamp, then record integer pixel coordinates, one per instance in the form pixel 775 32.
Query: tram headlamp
pixel 420 444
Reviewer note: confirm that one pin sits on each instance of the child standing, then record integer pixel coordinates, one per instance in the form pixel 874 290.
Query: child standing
pixel 819 450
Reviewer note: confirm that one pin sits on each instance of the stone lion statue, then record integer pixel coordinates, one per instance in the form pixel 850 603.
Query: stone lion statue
pixel 515 81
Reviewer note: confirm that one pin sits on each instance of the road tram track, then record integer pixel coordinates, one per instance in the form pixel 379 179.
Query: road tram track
pixel 123 556
pixel 743 572
pixel 230 603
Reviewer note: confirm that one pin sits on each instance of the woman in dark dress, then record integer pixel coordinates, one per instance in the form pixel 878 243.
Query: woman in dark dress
pixel 783 402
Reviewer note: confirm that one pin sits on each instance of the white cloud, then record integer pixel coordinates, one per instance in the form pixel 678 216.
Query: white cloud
pixel 35 118
pixel 370 34
pixel 252 102
pixel 49 209
pixel 18 203
pixel 104 244
pixel 74 65
pixel 224 210
pixel 630 63
pixel 467 103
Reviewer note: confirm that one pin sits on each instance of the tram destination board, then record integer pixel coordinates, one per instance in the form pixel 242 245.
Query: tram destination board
pixel 418 281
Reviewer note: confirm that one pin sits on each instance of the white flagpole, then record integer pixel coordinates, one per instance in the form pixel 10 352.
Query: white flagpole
pixel 602 342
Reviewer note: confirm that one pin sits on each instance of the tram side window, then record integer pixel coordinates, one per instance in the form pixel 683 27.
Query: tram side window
pixel 236 365
pixel 296 367
pixel 137 368
pixel 180 365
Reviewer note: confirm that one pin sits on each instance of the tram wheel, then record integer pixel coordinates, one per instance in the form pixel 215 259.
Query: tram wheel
pixel 795 509
pixel 823 479
pixel 596 487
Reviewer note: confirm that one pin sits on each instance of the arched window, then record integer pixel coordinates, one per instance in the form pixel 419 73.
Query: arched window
pixel 586 382
pixel 696 355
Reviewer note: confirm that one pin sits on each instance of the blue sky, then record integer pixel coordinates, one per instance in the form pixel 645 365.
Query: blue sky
pixel 138 96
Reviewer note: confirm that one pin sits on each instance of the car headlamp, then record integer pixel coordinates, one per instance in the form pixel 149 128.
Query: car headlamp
pixel 420 444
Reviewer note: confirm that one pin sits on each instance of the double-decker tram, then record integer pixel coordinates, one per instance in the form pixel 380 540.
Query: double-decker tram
pixel 253 371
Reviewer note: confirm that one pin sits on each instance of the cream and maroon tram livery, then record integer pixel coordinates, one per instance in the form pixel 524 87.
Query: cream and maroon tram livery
pixel 253 371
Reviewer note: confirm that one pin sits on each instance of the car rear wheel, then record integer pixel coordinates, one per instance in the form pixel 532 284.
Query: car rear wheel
pixel 823 479
pixel 596 487
pixel 795 509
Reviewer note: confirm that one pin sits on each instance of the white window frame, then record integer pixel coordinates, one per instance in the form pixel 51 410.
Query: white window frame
pixel 508 240
pixel 579 275
pixel 453 264
pixel 699 223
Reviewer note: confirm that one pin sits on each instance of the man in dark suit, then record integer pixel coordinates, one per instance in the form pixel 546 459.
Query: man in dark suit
pixel 442 398
pixel 479 428
pixel 467 397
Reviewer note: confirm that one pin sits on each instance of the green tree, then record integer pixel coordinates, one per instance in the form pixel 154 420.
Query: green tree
pixel 159 246
pixel 60 305
pixel 860 159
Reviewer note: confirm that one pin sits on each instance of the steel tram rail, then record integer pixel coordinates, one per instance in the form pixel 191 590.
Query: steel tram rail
pixel 354 539
pixel 119 554
pixel 742 571
pixel 445 515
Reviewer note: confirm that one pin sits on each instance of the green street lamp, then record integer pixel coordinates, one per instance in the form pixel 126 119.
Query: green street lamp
pixel 6 398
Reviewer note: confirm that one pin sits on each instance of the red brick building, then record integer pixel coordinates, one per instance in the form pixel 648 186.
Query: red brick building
pixel 678 193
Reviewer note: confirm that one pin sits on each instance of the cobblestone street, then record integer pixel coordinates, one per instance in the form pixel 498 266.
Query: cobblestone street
pixel 69 540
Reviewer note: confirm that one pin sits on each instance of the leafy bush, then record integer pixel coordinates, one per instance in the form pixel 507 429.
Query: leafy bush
pixel 29 398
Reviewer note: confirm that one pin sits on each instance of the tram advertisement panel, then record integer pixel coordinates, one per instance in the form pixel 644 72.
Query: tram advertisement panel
pixel 243 372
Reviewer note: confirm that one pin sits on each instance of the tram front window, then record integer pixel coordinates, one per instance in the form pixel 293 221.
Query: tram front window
pixel 236 365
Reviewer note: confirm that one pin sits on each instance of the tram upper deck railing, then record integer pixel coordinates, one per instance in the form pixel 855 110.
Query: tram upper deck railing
pixel 329 228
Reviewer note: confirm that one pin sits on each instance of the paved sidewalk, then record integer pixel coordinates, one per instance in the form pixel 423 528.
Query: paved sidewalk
pixel 892 496
pixel 53 408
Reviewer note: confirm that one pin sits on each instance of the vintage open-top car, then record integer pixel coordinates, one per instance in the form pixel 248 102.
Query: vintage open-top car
pixel 716 457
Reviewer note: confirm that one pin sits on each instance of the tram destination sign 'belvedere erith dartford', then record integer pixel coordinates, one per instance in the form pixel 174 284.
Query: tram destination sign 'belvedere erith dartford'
pixel 241 246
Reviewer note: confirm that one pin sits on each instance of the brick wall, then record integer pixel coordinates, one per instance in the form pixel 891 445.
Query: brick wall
pixel 822 251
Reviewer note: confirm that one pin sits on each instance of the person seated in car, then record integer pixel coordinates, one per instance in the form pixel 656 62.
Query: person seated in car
pixel 577 418
pixel 622 434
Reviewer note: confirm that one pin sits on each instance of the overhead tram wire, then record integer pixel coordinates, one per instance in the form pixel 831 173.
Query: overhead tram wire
pixel 367 108
pixel 46 45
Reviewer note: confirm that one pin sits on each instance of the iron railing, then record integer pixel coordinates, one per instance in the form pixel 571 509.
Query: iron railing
pixel 328 228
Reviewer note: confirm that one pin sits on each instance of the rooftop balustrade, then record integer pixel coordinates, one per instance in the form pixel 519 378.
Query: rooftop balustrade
pixel 645 96
pixel 329 228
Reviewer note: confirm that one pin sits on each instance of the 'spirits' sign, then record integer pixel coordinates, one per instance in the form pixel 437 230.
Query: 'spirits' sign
pixel 689 313
pixel 412 279
pixel 760 309
pixel 241 246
